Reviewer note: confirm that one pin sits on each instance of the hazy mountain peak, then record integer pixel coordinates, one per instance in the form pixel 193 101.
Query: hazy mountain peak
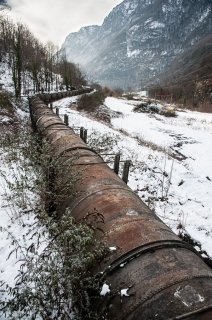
pixel 139 39
pixel 4 5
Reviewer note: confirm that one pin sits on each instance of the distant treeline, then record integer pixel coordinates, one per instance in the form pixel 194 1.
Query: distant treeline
pixel 34 66
pixel 189 79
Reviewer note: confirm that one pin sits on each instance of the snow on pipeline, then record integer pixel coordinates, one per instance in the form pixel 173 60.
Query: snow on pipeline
pixel 177 188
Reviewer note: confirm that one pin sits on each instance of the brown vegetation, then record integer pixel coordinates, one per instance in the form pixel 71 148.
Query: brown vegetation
pixel 5 103
pixel 90 102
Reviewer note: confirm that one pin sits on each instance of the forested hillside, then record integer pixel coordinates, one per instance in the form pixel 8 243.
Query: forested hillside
pixel 34 67
pixel 189 77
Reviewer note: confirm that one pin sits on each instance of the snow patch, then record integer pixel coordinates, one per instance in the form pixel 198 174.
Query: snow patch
pixel 133 53
pixel 134 28
pixel 122 265
pixel 205 14
pixel 112 248
pixel 105 290
pixel 124 293
pixel 4 119
pixel 132 213
pixel 156 24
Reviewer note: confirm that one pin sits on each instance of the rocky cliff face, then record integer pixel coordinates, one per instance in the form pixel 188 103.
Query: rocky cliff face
pixel 188 78
pixel 139 39
pixel 4 5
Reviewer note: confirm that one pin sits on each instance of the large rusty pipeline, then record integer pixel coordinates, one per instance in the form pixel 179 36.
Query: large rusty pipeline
pixel 165 277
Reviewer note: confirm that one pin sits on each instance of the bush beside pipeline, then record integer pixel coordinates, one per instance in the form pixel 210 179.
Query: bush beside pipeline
pixel 165 277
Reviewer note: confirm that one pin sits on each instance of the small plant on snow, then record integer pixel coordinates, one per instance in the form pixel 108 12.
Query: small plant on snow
pixel 105 143
pixel 90 102
pixel 54 280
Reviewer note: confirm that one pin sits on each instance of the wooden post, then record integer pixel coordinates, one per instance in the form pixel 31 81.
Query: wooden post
pixel 126 170
pixel 82 133
pixel 51 106
pixel 85 135
pixel 66 119
pixel 57 111
pixel 117 163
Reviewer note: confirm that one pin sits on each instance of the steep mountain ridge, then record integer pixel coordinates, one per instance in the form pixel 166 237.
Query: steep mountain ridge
pixel 82 39
pixel 4 5
pixel 189 77
pixel 139 39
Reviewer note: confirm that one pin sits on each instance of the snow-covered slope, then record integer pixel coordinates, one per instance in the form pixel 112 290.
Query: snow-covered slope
pixel 138 39
pixel 6 78
pixel 171 158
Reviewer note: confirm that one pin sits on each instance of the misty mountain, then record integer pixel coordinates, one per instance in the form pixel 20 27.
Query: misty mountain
pixel 3 2
pixel 139 39
pixel 194 64
pixel 189 77
pixel 4 5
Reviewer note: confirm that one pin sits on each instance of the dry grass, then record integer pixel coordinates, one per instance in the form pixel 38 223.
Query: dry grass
pixel 205 107
pixel 6 107
pixel 90 102
pixel 8 118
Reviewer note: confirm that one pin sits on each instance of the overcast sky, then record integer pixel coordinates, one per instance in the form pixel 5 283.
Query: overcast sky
pixel 55 19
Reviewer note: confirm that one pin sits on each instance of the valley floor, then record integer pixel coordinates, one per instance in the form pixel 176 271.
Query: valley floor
pixel 171 171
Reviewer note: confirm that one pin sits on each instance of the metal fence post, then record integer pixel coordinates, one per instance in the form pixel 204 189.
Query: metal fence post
pixel 117 163
pixel 85 135
pixel 82 133
pixel 126 170
pixel 66 119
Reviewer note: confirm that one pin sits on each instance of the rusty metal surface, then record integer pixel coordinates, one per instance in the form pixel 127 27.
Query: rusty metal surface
pixel 204 313
pixel 183 300
pixel 166 279
pixel 157 285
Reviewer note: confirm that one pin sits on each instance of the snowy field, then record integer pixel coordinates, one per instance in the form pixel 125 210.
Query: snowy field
pixel 171 158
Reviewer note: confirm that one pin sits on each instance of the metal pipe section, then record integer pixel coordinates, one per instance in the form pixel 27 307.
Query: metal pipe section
pixel 152 274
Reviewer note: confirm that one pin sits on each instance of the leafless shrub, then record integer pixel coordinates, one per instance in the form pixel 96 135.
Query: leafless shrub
pixel 90 102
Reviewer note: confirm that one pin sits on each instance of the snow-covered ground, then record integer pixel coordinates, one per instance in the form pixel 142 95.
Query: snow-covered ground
pixel 171 158
pixel 12 230
pixel 15 231
pixel 6 77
